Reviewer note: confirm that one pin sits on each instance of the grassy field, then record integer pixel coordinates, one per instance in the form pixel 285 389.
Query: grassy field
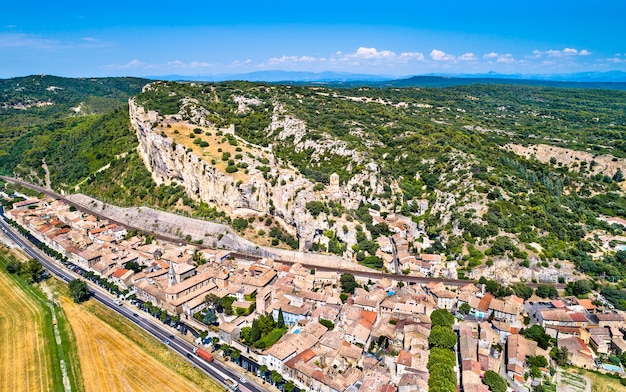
pixel 29 355
pixel 604 383
pixel 116 355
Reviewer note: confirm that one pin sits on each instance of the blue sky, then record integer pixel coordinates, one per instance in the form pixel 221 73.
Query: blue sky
pixel 140 38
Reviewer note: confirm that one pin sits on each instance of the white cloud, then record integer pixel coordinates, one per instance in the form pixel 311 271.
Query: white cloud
pixel 199 64
pixel 363 56
pixel 468 57
pixel 559 53
pixel 131 64
pixel 294 59
pixel 373 53
pixel 439 55
pixel 500 58
pixel 412 55
pixel 570 52
pixel 241 62
pixel 506 58
pixel 183 65
pixel 616 60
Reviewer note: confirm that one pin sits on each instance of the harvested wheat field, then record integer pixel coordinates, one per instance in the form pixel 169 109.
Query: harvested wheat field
pixel 27 345
pixel 112 362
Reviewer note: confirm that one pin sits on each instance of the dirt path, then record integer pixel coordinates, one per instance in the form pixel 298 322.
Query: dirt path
pixel 57 337
pixel 45 168
pixel 111 362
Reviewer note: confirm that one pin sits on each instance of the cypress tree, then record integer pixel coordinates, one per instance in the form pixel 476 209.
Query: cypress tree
pixel 281 318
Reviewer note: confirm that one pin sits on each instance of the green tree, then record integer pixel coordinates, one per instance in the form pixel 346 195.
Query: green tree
pixel 442 337
pixel 316 207
pixel 289 386
pixel 14 266
pixel 212 301
pixel 538 334
pixel 215 341
pixel 327 323
pixel 245 335
pixel 276 377
pixel 239 224
pixel 495 382
pixel 465 308
pixel 255 333
pixel 522 290
pixel 546 291
pixel 348 283
pixel 537 361
pixel 579 287
pixel 235 355
pixel 78 290
pixel 281 318
pixel 618 176
pixel 210 318
pixel 31 270
pixel 134 266
pixel 227 305
pixel 559 355
pixel 442 317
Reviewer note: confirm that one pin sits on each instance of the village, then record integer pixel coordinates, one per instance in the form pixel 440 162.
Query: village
pixel 371 336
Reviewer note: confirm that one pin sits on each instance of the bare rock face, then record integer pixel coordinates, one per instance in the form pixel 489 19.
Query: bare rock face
pixel 286 200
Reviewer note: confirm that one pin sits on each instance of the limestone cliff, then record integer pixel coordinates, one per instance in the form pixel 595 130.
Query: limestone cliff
pixel 282 192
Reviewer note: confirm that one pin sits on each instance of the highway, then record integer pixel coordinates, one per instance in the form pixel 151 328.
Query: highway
pixel 215 369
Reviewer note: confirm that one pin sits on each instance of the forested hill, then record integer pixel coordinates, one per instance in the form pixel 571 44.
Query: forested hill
pixel 76 125
pixel 40 99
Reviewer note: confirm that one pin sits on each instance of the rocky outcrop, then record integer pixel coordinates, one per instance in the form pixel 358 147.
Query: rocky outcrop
pixel 572 159
pixel 252 194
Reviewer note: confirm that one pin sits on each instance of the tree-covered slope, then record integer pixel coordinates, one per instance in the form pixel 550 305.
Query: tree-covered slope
pixel 75 126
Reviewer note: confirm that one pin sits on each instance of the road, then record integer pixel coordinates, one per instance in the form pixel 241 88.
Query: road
pixel 215 369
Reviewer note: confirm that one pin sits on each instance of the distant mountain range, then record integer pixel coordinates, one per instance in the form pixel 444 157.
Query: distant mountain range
pixel 273 76
pixel 434 80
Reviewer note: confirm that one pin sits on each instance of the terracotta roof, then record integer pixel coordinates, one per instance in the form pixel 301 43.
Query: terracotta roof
pixel 578 317
pixel 586 303
pixel 444 294
pixel 304 356
pixel 404 358
pixel 120 273
pixel 610 317
pixel 367 318
pixel 485 301
pixel 429 257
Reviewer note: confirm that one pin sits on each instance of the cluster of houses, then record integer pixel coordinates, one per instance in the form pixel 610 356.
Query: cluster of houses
pixel 401 252
pixel 379 338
